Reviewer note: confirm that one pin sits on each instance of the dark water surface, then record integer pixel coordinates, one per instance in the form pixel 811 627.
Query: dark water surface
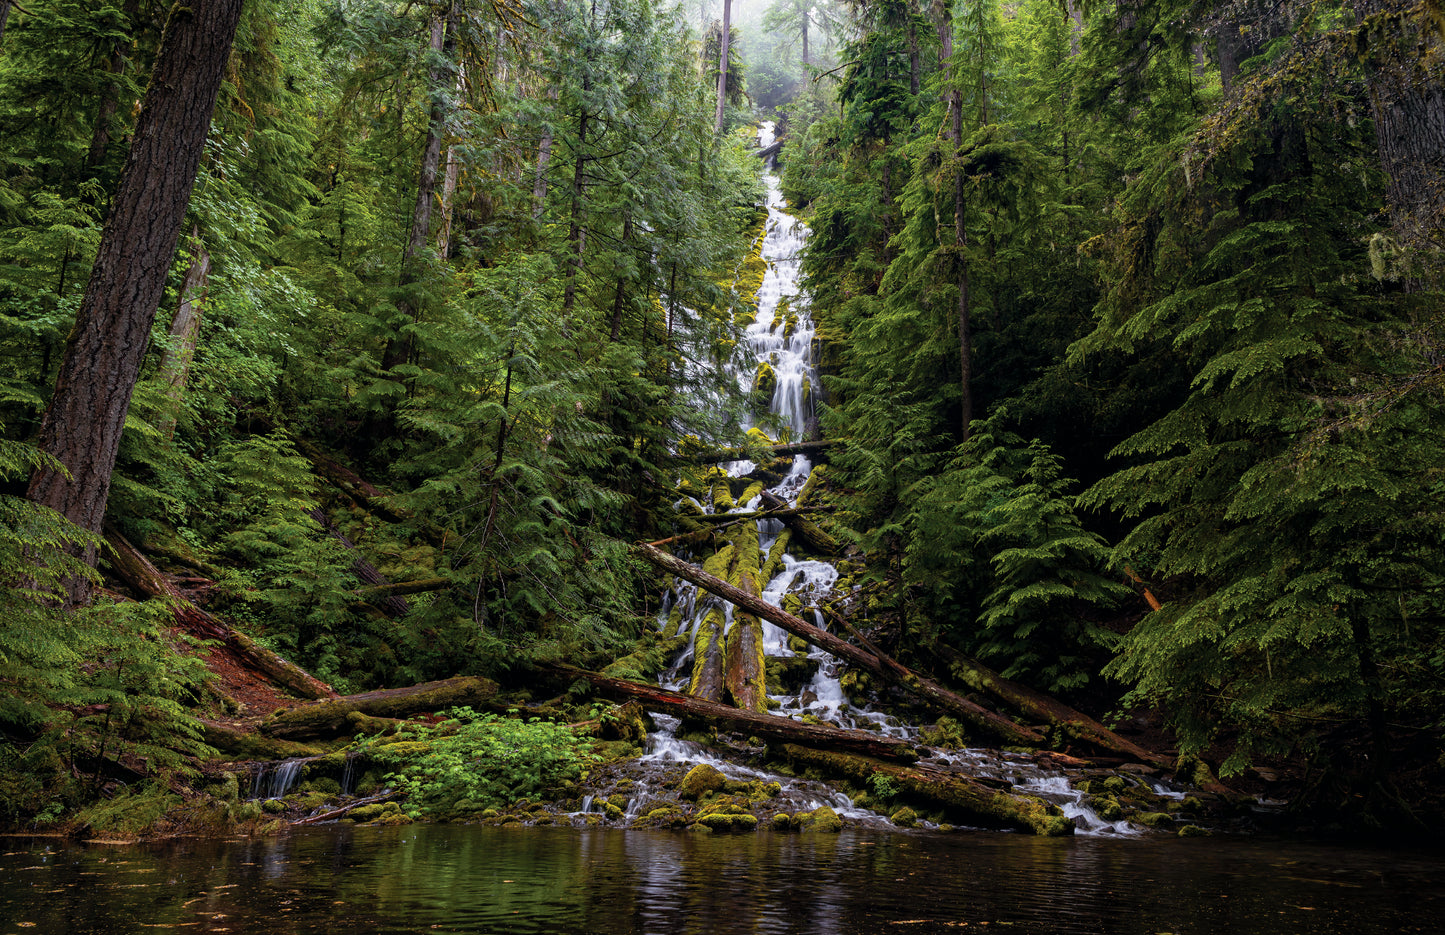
pixel 440 878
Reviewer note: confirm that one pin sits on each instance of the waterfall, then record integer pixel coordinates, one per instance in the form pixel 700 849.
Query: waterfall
pixel 275 780
pixel 781 337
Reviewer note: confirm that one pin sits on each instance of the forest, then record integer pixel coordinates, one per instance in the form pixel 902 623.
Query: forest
pixel 387 342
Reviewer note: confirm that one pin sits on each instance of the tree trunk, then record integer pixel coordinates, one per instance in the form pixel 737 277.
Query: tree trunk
pixel 82 425
pixel 996 725
pixel 4 17
pixel 185 329
pixel 766 726
pixel 722 71
pixel 442 44
pixel 745 670
pixel 1404 58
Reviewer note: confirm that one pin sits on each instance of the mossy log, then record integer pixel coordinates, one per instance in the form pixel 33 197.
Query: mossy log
pixel 334 717
pixel 348 481
pixel 399 588
pixel 249 745
pixel 138 572
pixel 768 727
pixel 996 725
pixel 390 602
pixel 802 527
pixel 1074 724
pixel 745 672
pixel 972 802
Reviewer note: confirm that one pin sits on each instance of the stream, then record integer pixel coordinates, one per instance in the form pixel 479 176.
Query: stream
pixel 459 878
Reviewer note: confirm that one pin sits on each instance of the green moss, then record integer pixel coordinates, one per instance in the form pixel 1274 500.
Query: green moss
pixel 1154 819
pixel 1107 807
pixel 273 806
pixel 822 819
pixel 718 821
pixel 1193 831
pixel 782 821
pixel 904 818
pixel 368 812
pixel 699 781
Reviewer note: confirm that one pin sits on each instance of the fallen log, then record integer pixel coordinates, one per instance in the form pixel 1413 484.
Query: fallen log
pixel 1074 724
pixel 802 527
pixel 391 603
pixel 138 572
pixel 354 713
pixel 336 813
pixel 996 725
pixel 399 588
pixel 966 800
pixel 768 727
pixel 814 450
pixel 348 481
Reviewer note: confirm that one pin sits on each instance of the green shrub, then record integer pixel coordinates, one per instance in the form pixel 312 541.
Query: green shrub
pixel 472 762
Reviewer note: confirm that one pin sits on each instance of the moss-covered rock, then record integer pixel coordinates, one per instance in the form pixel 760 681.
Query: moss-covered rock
pixel 821 819
pixel 904 818
pixel 1154 819
pixel 701 780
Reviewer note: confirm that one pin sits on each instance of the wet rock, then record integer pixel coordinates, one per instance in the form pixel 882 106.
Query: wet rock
pixel 904 818
pixel 822 819
pixel 700 780
pixel 1193 831
pixel 1154 820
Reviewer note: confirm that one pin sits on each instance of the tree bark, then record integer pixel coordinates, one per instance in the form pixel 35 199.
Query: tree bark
pixel 1404 59
pixel 766 726
pixel 4 17
pixel 722 71
pixel 175 365
pixel 82 425
pixel 931 692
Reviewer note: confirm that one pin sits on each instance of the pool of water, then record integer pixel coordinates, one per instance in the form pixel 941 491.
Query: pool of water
pixel 441 878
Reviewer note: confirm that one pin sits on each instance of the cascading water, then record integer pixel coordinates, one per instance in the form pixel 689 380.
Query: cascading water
pixel 779 343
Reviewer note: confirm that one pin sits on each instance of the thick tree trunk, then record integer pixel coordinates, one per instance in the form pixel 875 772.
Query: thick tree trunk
pixel 83 423
pixel 175 365
pixel 760 724
pixel 137 571
pixel 744 666
pixel 931 692
pixel 1404 57
pixel 4 17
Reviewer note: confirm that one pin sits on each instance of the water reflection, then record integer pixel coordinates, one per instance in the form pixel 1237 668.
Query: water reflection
pixel 471 879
